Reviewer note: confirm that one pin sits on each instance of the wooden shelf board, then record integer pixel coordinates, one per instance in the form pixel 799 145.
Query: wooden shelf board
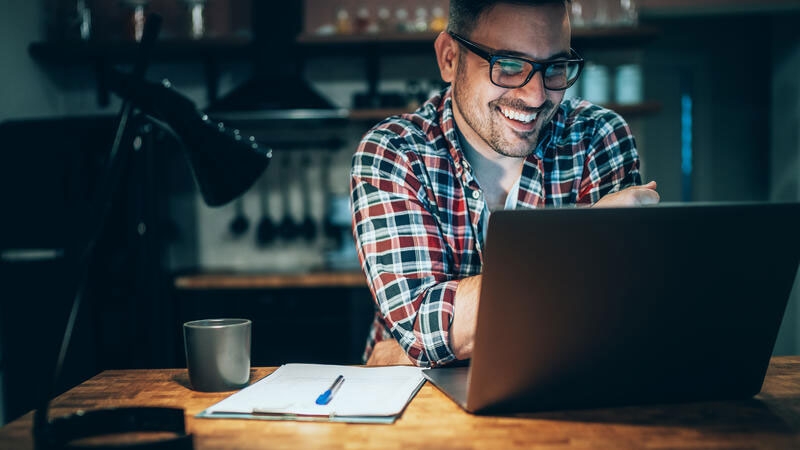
pixel 76 52
pixel 366 38
pixel 166 50
pixel 599 36
pixel 644 108
pixel 375 113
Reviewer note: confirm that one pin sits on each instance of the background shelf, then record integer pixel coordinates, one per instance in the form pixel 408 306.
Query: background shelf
pixel 125 51
pixel 638 109
pixel 606 37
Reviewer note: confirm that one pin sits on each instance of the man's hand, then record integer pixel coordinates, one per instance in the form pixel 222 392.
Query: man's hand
pixel 465 317
pixel 388 353
pixel 631 196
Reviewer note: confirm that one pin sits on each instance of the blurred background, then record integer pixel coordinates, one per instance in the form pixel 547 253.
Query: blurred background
pixel 709 87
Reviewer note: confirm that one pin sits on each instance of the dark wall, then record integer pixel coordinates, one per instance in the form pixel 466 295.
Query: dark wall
pixel 47 177
pixel 52 181
pixel 725 64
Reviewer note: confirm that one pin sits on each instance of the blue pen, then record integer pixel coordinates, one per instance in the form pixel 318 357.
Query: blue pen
pixel 327 396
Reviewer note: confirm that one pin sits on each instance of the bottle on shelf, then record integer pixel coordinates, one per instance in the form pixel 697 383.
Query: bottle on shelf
pixel 344 25
pixel 421 20
pixel 577 14
pixel 438 20
pixel 629 12
pixel 601 14
pixel 196 14
pixel 403 21
pixel 363 22
pixel 84 20
pixel 384 22
pixel 137 10
pixel 69 20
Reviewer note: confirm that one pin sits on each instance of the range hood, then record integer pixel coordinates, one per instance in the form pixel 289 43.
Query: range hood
pixel 260 98
pixel 278 88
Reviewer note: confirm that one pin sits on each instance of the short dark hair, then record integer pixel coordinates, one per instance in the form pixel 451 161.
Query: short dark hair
pixel 464 14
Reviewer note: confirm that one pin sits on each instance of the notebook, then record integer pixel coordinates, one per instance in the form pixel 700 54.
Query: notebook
pixel 294 391
pixel 596 307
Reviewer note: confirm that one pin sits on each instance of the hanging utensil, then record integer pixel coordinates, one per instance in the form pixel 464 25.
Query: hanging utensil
pixel 332 232
pixel 265 232
pixel 308 228
pixel 240 222
pixel 287 229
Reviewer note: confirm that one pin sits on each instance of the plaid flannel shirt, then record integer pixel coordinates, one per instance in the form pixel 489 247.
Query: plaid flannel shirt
pixel 419 214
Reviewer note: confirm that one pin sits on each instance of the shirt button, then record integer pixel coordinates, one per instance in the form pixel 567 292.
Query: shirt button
pixel 476 194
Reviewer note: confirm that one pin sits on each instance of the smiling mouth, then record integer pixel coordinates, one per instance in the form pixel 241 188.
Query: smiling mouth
pixel 517 115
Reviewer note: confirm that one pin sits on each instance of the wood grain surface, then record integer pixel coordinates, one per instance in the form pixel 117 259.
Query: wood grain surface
pixel 771 420
pixel 270 281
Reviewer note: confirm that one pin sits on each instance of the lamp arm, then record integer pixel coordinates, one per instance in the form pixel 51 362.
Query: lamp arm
pixel 225 163
pixel 59 432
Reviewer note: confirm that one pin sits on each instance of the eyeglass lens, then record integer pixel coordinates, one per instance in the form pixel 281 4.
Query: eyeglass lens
pixel 513 73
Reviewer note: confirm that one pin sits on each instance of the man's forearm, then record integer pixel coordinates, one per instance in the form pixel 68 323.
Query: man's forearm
pixel 465 313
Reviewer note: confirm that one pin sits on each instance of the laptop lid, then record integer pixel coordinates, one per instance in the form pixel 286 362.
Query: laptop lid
pixel 600 307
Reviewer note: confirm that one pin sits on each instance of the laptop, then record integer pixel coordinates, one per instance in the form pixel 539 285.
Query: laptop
pixel 599 307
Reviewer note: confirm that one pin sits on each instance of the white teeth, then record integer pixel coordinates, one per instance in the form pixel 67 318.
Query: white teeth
pixel 518 116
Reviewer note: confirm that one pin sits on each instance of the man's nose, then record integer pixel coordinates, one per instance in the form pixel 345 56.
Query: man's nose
pixel 533 93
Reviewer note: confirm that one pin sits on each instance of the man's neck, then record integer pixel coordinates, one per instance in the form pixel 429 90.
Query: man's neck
pixel 496 173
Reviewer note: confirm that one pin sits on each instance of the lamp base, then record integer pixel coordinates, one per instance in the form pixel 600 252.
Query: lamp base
pixel 62 432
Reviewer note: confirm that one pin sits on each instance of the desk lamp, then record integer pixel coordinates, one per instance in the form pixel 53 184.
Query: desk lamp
pixel 224 163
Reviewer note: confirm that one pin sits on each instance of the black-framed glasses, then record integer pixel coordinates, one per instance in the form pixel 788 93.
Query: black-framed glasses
pixel 513 72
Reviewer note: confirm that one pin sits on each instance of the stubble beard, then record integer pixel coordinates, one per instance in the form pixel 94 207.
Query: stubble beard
pixel 490 129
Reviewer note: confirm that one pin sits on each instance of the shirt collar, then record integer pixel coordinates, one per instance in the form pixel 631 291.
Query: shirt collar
pixel 448 124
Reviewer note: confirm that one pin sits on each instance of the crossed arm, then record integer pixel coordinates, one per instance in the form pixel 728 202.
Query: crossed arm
pixel 462 330
pixel 430 309
pixel 465 311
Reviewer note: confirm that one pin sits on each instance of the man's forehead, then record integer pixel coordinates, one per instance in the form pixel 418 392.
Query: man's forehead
pixel 534 31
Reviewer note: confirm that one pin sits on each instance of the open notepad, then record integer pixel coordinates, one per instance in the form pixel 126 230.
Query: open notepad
pixel 368 394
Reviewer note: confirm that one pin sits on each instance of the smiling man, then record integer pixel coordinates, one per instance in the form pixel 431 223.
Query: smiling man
pixel 499 137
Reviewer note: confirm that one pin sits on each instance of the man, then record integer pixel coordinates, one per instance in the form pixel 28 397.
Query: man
pixel 424 184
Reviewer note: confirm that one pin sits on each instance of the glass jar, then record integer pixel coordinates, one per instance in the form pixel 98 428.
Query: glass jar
pixel 577 14
pixel 629 12
pixel 135 17
pixel 196 14
pixel 438 20
pixel 69 20
pixel 595 83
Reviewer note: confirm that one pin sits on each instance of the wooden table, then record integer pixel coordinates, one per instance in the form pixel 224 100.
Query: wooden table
pixel 203 281
pixel 769 421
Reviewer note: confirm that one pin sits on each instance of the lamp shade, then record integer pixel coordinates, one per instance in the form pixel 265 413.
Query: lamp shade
pixel 224 162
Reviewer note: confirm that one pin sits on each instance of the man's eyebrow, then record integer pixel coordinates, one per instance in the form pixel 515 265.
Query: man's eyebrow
pixel 560 55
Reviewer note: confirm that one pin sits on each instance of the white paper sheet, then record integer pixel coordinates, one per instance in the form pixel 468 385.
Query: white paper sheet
pixel 293 390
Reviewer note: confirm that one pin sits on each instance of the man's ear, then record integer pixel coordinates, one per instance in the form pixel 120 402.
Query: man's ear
pixel 446 56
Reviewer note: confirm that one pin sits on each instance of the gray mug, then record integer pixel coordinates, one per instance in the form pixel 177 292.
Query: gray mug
pixel 217 353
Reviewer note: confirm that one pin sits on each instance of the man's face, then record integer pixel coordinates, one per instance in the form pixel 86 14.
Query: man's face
pixel 509 121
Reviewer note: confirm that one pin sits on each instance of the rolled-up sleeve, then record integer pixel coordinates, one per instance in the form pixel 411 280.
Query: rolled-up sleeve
pixel 612 162
pixel 401 248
